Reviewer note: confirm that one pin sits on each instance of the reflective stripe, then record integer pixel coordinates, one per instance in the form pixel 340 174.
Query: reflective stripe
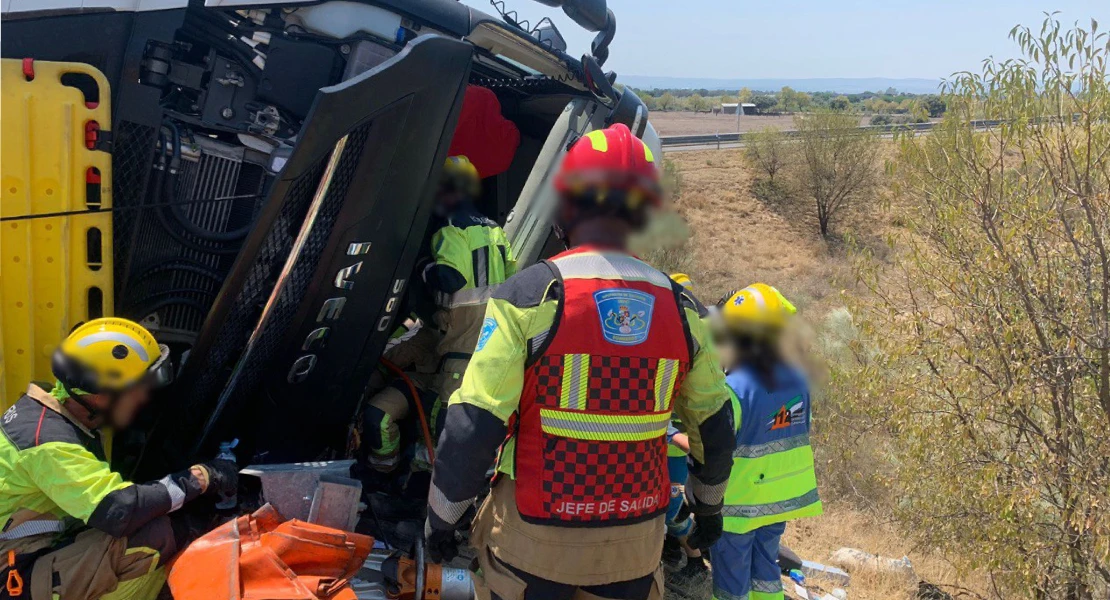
pixel 30 528
pixel 759 585
pixel 481 266
pixel 609 266
pixel 665 375
pixel 603 427
pixel 648 155
pixel 598 141
pixel 576 376
pixel 720 594
pixel 758 295
pixel 112 336
pixel 759 450
pixel 177 495
pixel 449 512
pixel 384 461
pixel 773 508
pixel 711 495
pixel 471 297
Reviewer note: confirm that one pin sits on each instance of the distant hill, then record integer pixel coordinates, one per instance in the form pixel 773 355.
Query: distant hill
pixel 842 85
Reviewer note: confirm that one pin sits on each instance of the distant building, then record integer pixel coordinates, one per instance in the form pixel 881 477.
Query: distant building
pixel 729 108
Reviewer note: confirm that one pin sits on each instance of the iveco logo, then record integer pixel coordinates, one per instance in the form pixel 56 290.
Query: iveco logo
pixel 332 310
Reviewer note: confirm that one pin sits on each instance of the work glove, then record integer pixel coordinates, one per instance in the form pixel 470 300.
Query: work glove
pixel 707 530
pixel 223 476
pixel 442 545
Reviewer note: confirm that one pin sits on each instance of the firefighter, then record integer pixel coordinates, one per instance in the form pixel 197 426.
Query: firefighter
pixel 772 478
pixel 412 348
pixel 580 362
pixel 471 257
pixel 678 520
pixel 71 527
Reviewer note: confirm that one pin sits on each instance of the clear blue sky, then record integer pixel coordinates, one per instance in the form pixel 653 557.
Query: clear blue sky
pixel 810 38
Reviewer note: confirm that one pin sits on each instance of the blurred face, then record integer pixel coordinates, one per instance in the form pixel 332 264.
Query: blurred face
pixel 447 199
pixel 129 403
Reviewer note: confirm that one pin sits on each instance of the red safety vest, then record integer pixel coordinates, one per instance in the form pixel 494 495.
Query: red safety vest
pixel 591 434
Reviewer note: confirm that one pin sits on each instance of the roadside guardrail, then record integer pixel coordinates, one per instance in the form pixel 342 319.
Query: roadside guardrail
pixel 732 138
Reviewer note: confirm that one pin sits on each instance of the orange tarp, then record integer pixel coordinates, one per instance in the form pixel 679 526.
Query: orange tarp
pixel 263 557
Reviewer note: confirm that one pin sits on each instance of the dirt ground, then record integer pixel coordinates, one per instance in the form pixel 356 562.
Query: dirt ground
pixel 735 240
pixel 688 123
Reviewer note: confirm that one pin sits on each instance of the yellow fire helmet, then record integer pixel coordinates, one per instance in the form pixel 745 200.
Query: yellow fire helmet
pixel 460 173
pixel 683 280
pixel 111 355
pixel 758 309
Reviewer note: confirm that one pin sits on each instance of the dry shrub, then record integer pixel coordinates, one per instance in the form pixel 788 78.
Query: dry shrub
pixel 983 360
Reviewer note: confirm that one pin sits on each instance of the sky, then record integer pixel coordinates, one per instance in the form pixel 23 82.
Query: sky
pixel 809 38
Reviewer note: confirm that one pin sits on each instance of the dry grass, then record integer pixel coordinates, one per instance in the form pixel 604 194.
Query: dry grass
pixel 737 240
pixel 816 539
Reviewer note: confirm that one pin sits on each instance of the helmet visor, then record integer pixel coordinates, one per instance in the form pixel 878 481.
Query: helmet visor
pixel 160 374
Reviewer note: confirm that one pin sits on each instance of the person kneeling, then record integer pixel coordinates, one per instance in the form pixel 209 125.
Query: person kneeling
pixel 73 528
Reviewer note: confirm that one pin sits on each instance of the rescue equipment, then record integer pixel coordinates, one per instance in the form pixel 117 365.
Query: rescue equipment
pixel 54 272
pixel 591 441
pixel 262 556
pixel 483 134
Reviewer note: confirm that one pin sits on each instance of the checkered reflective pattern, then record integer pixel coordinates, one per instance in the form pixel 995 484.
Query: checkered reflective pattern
pixel 549 380
pixel 585 472
pixel 621 384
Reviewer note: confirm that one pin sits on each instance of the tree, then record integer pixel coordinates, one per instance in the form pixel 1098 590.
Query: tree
pixel 840 103
pixel 767 149
pixel 697 103
pixel 788 99
pixel 744 96
pixel 647 99
pixel 934 105
pixel 803 100
pixel 839 162
pixel 666 102
pixel 763 102
pixel 991 334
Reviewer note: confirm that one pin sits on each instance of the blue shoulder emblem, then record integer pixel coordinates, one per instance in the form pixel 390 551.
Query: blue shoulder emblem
pixel 625 315
pixel 488 327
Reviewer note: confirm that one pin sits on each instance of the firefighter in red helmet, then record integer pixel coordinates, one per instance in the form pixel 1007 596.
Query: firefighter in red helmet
pixel 580 363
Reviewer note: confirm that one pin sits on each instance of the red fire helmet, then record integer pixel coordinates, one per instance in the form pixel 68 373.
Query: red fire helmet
pixel 611 159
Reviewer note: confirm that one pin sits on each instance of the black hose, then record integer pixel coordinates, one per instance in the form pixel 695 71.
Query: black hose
pixel 178 212
pixel 208 235
pixel 236 48
pixel 176 233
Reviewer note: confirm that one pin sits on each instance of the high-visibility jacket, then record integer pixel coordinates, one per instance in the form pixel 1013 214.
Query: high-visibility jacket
pixel 591 436
pixel 52 467
pixel 472 256
pixel 772 478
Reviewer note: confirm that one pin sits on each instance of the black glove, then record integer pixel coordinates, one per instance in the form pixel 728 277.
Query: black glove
pixel 707 530
pixel 223 476
pixel 442 545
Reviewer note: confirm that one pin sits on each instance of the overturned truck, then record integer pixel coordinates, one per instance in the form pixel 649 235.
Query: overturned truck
pixel 253 182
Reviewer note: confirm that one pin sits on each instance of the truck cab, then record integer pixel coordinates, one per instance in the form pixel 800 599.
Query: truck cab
pixel 269 169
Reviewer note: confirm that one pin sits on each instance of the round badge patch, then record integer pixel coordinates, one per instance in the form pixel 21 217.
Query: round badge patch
pixel 625 315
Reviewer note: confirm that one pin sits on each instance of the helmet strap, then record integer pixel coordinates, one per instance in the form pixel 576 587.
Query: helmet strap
pixel 94 413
